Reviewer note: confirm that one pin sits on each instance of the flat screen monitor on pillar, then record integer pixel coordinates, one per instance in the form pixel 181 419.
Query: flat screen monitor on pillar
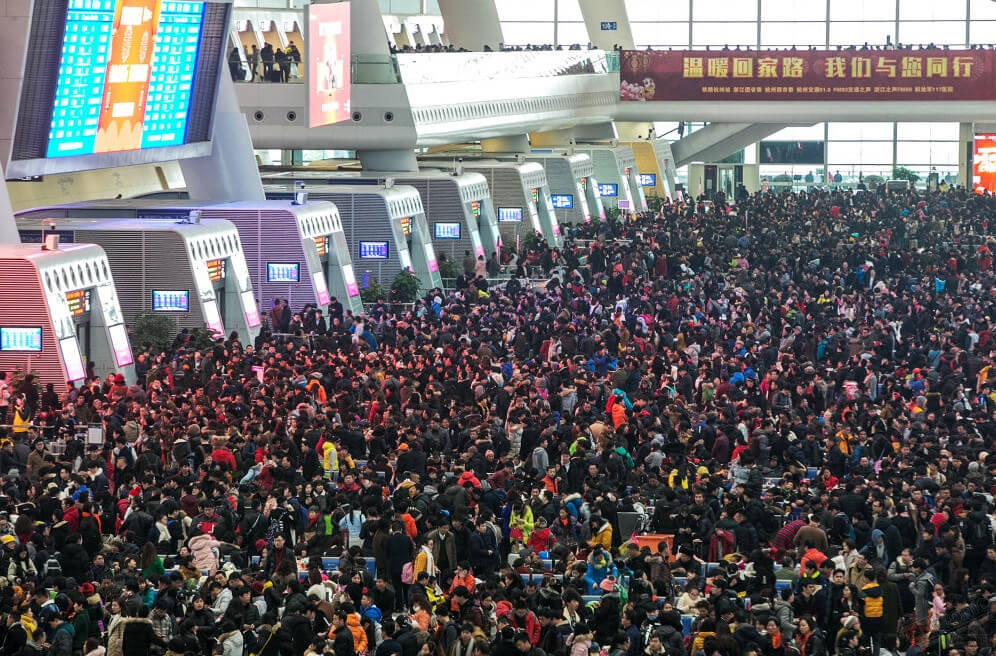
pixel 118 82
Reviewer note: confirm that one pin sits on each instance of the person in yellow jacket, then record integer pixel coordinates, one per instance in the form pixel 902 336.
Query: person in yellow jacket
pixel 602 536
pixel 520 522
pixel 22 417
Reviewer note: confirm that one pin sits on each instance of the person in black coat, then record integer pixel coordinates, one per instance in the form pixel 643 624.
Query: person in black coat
pixel 75 560
pixel 398 550
pixel 483 550
pixel 342 645
pixel 296 622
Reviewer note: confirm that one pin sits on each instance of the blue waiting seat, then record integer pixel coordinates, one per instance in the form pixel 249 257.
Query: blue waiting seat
pixel 686 624
pixel 782 584
pixel 680 581
pixel 330 563
pixel 587 599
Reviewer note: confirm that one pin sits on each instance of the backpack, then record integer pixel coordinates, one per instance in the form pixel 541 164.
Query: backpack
pixel 52 568
pixel 873 608
pixel 979 533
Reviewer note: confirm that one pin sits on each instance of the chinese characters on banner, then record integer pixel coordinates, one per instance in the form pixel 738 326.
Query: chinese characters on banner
pixel 984 163
pixel 808 75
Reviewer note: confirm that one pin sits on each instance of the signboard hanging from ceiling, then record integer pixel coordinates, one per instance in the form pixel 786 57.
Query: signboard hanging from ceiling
pixel 327 54
pixel 818 75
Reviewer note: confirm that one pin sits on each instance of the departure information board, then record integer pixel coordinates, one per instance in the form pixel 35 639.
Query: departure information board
pixel 216 270
pixel 79 302
pixel 126 76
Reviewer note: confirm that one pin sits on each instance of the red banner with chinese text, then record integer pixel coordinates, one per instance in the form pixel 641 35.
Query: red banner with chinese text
pixel 820 75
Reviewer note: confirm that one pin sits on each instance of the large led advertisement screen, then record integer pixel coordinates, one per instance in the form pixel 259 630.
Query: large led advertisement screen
pixel 108 81
pixel 984 163
pixel 328 67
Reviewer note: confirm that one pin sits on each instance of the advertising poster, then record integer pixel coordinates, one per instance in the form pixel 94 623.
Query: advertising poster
pixel 821 75
pixel 984 163
pixel 328 66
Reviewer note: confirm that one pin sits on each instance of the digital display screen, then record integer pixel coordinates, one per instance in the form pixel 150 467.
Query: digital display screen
pixel 216 270
pixel 446 230
pixel 475 208
pixel 608 189
pixel 562 201
pixel 406 226
pixel 19 338
pixel 984 163
pixel 327 63
pixel 164 300
pixel 126 76
pixel 648 179
pixel 534 195
pixel 71 358
pixel 584 183
pixel 509 214
pixel 79 302
pixel 118 82
pixel 374 250
pixel 120 345
pixel 322 246
pixel 283 272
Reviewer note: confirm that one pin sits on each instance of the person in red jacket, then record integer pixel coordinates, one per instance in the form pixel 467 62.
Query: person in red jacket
pixel 523 619
pixel 222 454
pixel 539 539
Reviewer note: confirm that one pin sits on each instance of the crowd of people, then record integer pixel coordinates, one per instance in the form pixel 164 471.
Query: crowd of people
pixel 796 394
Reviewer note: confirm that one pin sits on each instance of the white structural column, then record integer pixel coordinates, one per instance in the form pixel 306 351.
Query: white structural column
pixel 607 23
pixel 472 24
pixel 229 172
pixel 370 38
pixel 14 24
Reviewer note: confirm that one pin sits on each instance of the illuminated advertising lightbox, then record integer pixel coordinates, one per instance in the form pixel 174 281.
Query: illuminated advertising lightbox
pixel 984 163
pixel 118 76
pixel 475 208
pixel 608 190
pixel 510 214
pixel 562 201
pixel 322 245
pixel 648 179
pixel 20 338
pixel 321 289
pixel 283 272
pixel 352 289
pixel 251 310
pixel 446 230
pixel 170 300
pixel 406 226
pixel 120 345
pixel 72 359
pixel 374 250
pixel 328 63
pixel 212 317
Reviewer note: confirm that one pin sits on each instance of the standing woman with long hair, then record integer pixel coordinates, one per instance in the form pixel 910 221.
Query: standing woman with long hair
pixel 352 523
